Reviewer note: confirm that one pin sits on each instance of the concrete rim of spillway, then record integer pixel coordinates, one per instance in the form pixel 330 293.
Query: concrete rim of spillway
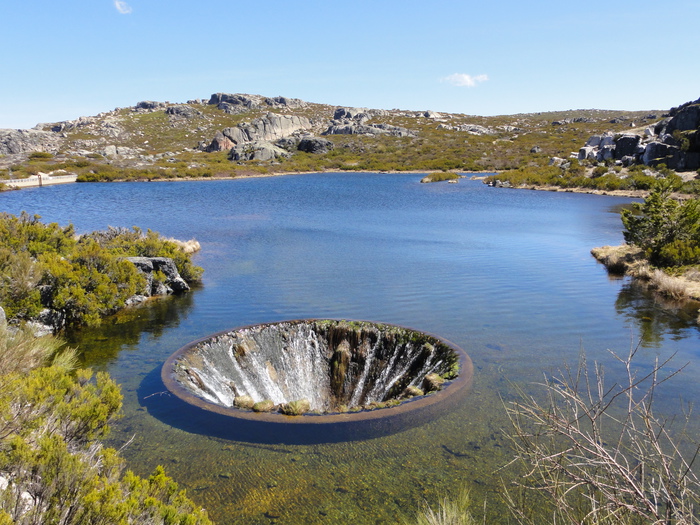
pixel 435 402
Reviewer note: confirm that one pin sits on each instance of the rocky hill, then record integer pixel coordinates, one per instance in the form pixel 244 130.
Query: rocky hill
pixel 230 135
pixel 673 141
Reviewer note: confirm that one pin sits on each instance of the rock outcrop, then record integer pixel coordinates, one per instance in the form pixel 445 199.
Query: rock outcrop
pixel 149 104
pixel 674 141
pixel 183 111
pixel 315 145
pixel 16 141
pixel 257 150
pixel 269 128
pixel 352 121
pixel 240 103
pixel 172 283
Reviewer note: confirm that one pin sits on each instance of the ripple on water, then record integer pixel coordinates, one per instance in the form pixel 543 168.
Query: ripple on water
pixel 504 274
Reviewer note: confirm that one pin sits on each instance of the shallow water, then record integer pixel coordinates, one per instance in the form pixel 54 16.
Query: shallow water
pixel 505 274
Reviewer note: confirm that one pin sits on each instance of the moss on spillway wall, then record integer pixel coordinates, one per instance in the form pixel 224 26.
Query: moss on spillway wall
pixel 322 366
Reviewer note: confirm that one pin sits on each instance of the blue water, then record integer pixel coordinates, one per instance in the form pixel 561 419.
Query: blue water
pixel 505 274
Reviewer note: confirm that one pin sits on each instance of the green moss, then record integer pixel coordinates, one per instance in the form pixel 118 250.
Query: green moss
pixel 413 391
pixel 432 382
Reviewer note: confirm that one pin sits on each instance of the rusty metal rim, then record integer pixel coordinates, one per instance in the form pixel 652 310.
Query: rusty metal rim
pixel 460 385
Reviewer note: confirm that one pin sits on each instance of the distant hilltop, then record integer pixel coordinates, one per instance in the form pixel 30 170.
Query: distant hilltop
pixel 236 134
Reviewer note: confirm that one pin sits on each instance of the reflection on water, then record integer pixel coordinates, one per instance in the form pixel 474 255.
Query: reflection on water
pixel 656 318
pixel 505 274
pixel 101 345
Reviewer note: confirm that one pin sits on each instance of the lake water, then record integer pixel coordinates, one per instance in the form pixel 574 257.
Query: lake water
pixel 505 274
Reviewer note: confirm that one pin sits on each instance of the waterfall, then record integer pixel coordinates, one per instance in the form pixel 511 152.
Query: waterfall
pixel 325 363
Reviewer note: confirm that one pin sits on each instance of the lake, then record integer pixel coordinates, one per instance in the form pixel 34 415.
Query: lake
pixel 505 274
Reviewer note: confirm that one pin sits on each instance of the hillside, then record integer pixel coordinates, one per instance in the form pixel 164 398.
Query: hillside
pixel 233 135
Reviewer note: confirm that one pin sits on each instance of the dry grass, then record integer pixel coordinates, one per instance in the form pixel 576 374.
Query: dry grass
pixel 188 247
pixel 673 287
pixel 599 453
pixel 21 351
pixel 619 259
pixel 450 512
pixel 630 260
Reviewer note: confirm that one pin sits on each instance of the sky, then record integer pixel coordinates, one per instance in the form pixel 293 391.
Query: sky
pixel 63 59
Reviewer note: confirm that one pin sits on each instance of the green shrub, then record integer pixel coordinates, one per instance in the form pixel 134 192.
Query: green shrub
pixel 40 155
pixel 441 176
pixel 44 266
pixel 57 470
pixel 679 253
pixel 598 171
pixel 667 230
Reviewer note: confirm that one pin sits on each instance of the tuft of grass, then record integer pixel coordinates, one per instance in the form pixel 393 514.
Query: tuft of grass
pixel 668 285
pixel 449 512
pixel 21 351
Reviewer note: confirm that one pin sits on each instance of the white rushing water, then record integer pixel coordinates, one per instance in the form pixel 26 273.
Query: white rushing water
pixel 295 361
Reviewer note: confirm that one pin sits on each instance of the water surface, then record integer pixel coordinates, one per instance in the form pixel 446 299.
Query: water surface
pixel 505 274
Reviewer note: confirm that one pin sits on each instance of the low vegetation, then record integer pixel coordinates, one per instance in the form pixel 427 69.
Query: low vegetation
pixel 53 466
pixel 668 231
pixel 80 278
pixel 601 178
pixel 169 148
pixel 595 453
pixel 663 243
pixel 441 176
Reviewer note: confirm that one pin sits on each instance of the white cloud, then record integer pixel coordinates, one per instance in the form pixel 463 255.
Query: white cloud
pixel 464 80
pixel 122 7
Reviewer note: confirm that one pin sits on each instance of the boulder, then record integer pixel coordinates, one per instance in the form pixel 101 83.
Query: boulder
pixel 315 145
pixel 257 150
pixel 586 152
pixel 149 104
pixel 657 153
pixel 535 149
pixel 685 118
pixel 606 152
pixel 235 103
pixel 608 139
pixel 626 145
pixel 629 160
pixel 183 111
pixel 121 151
pixel 557 162
pixel 288 143
pixel 148 265
pixel 351 113
pixel 220 142
pixel 594 141
pixel 692 160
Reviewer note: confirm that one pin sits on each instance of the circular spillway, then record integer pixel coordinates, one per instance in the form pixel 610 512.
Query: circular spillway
pixel 327 371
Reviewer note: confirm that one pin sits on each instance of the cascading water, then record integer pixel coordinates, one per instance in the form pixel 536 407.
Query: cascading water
pixel 326 366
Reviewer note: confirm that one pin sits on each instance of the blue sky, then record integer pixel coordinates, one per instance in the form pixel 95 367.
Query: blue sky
pixel 68 58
